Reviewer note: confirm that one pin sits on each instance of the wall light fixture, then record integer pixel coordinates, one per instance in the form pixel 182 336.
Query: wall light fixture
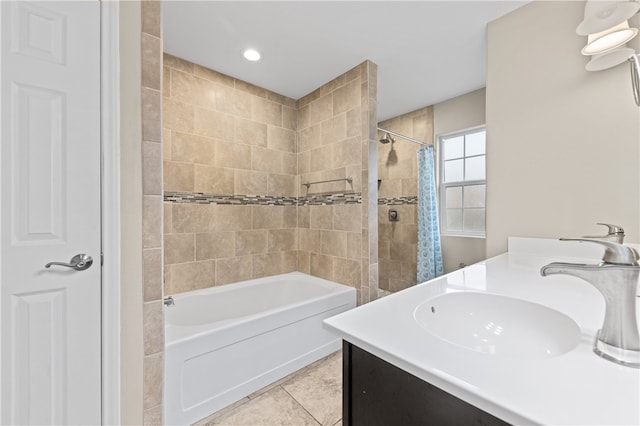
pixel 606 25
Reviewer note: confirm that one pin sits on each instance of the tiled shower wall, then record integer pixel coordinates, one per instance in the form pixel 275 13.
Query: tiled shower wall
pixel 235 159
pixel 397 169
pixel 227 138
pixel 333 134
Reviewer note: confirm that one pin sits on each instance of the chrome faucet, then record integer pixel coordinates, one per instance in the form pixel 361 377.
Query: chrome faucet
pixel 617 279
pixel 615 233
pixel 168 301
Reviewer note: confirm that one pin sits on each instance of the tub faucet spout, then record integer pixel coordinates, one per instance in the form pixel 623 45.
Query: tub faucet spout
pixel 168 301
pixel 616 278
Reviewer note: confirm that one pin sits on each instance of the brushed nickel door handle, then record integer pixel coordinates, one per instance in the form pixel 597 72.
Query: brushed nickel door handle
pixel 79 262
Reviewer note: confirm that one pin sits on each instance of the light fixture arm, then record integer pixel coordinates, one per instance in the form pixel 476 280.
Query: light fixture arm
pixel 634 61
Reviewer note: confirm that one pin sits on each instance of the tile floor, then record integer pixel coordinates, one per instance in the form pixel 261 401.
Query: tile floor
pixel 311 396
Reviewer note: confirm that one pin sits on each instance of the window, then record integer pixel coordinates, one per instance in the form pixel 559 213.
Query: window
pixel 463 182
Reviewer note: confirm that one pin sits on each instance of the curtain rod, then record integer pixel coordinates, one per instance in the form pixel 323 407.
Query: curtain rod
pixel 404 137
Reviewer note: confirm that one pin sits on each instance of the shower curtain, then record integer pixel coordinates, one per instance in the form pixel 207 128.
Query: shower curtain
pixel 430 263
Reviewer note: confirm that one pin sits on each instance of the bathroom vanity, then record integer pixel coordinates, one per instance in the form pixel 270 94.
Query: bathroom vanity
pixel 376 392
pixel 493 343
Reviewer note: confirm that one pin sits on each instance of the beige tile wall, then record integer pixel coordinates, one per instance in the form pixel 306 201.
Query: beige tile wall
pixel 334 128
pixel 225 136
pixel 370 183
pixel 397 169
pixel 153 322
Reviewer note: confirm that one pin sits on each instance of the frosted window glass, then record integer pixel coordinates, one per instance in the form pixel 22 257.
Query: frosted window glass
pixel 463 182
pixel 453 170
pixel 454 220
pixel 474 220
pixel 454 197
pixel 474 168
pixel 475 144
pixel 453 148
pixel 474 196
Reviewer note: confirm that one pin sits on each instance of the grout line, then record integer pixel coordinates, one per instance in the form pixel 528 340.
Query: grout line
pixel 301 406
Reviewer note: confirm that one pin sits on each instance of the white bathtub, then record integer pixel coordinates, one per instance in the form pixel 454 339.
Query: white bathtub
pixel 224 343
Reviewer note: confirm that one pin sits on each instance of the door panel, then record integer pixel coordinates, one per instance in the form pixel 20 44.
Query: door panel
pixel 39 320
pixel 38 146
pixel 49 211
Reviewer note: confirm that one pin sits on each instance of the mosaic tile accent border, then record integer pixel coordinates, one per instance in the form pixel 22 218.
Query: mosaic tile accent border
pixel 319 200
pixel 397 201
pixel 262 200
pixel 202 198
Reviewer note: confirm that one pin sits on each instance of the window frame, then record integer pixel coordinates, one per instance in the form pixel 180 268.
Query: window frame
pixel 442 186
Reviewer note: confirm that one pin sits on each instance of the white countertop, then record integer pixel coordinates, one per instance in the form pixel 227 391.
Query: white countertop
pixel 576 388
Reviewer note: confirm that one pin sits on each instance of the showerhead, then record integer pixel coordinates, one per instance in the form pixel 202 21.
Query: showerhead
pixel 387 138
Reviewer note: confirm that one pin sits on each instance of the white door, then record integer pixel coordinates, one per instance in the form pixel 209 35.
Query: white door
pixel 49 211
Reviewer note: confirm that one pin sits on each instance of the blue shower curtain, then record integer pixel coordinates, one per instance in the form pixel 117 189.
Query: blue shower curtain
pixel 430 263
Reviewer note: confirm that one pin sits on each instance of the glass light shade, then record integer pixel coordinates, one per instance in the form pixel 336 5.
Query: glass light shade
pixel 609 39
pixel 609 59
pixel 600 15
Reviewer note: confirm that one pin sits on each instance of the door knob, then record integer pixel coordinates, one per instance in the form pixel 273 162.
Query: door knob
pixel 79 262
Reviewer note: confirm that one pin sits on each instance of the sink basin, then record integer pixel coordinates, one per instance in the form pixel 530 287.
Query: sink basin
pixel 498 325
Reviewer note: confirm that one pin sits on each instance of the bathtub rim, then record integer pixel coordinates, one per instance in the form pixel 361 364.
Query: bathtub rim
pixel 222 288
pixel 177 334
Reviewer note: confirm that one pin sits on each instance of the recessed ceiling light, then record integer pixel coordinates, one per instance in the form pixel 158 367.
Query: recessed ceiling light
pixel 251 55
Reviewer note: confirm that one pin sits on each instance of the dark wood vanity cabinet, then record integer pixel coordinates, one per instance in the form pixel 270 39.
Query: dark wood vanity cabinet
pixel 378 393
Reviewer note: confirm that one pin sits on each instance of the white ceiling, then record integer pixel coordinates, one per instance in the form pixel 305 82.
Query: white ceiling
pixel 426 51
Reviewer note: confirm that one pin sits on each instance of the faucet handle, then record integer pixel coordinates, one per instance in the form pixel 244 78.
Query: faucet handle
pixel 614 253
pixel 614 232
